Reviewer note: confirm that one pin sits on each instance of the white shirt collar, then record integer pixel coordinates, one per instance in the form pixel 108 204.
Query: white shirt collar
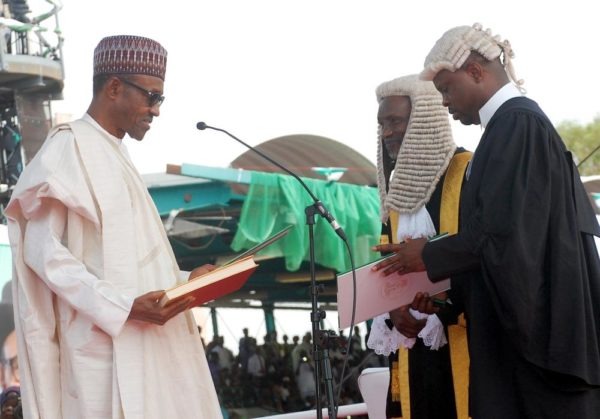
pixel 88 118
pixel 506 92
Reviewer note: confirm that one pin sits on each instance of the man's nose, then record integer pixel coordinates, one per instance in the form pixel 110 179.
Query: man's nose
pixel 155 110
pixel 386 131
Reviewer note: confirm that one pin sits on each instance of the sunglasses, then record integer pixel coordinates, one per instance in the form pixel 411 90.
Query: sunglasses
pixel 154 99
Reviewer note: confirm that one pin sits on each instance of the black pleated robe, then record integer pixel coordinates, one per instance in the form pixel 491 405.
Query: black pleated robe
pixel 526 241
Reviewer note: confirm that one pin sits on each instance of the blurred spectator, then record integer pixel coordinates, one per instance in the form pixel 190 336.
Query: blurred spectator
pixel 286 357
pixel 225 355
pixel 305 347
pixel 256 363
pixel 10 361
pixel 7 326
pixel 10 400
pixel 305 378
pixel 286 347
pixel 270 352
pixel 356 347
pixel 244 349
pixel 215 369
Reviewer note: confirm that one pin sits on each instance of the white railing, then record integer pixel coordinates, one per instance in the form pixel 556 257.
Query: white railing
pixel 343 411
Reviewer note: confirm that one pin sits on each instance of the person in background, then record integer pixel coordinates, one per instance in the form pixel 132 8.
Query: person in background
pixel 305 378
pixel 305 346
pixel 526 242
pixel 244 348
pixel 92 259
pixel 356 347
pixel 7 327
pixel 215 368
pixel 11 361
pixel 10 402
pixel 225 355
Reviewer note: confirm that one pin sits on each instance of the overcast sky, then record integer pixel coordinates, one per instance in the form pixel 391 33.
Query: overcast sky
pixel 263 69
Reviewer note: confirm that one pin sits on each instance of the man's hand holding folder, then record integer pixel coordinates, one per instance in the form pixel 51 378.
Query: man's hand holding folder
pixel 406 258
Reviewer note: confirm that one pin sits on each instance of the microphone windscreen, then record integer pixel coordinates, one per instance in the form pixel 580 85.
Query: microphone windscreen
pixel 201 126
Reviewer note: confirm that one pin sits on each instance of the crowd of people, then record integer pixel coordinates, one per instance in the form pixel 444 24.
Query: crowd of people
pixel 279 375
pixel 276 376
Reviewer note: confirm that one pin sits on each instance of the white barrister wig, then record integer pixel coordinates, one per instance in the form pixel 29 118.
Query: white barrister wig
pixel 426 150
pixel 454 47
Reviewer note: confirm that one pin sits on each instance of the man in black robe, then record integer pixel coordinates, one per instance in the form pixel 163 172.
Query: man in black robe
pixel 526 240
pixel 415 137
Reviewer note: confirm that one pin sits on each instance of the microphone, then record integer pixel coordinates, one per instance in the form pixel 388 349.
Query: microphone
pixel 318 204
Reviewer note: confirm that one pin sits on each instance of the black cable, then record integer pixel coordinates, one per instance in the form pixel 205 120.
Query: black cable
pixel 588 156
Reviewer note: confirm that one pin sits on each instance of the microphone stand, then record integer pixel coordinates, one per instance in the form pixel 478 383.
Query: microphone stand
pixel 320 344
pixel 320 355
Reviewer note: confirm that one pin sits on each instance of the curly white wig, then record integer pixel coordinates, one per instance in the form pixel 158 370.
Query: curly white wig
pixel 426 150
pixel 454 47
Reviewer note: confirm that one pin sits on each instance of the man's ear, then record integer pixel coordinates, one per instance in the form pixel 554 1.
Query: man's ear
pixel 475 71
pixel 113 87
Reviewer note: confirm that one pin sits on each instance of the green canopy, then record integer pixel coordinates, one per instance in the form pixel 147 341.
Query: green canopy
pixel 275 201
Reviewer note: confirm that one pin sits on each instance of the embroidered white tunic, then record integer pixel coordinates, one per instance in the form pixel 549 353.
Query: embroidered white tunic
pixel 86 240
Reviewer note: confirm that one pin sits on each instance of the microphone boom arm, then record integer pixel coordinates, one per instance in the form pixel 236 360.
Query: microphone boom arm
pixel 321 210
pixel 203 126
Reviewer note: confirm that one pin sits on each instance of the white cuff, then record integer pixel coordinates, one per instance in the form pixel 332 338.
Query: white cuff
pixel 433 333
pixel 384 340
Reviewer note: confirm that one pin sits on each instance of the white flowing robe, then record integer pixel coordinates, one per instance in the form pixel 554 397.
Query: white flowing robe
pixel 86 240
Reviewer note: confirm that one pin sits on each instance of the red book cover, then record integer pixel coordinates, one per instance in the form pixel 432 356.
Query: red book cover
pixel 214 284
pixel 224 280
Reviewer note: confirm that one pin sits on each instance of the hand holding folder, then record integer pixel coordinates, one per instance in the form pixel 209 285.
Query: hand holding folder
pixel 223 280
pixel 377 293
pixel 407 255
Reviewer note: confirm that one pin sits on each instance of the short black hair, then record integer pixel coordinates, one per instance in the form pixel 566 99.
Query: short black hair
pixel 99 82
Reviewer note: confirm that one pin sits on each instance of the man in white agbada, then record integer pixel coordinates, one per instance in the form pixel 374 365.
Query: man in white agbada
pixel 90 258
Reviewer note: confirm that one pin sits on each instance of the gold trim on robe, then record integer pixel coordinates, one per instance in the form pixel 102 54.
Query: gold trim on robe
pixel 459 354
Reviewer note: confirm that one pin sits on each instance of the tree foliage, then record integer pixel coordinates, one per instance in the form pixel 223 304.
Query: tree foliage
pixel 583 140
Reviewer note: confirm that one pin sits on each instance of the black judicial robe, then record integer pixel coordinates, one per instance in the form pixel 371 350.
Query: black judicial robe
pixel 430 372
pixel 526 242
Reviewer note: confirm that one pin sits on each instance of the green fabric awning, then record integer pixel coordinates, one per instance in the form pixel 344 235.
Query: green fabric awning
pixel 275 201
